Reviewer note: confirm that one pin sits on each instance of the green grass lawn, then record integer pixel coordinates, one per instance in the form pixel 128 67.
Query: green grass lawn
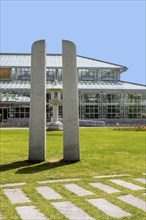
pixel 103 151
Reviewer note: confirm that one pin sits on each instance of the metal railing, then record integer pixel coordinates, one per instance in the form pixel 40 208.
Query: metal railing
pixel 91 123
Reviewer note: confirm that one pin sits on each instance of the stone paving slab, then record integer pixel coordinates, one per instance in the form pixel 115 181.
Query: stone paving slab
pixel 141 180
pixel 16 195
pixel 58 181
pixel 111 176
pixel 134 201
pixel 109 208
pixel 71 211
pixel 12 184
pixel 104 187
pixel 78 190
pixel 127 185
pixel 30 213
pixel 48 193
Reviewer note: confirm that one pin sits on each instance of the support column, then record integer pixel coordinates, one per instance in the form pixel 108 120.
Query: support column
pixel 55 113
pixel 37 126
pixel 70 103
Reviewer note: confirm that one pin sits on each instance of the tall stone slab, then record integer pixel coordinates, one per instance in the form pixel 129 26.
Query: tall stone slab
pixel 71 145
pixel 37 127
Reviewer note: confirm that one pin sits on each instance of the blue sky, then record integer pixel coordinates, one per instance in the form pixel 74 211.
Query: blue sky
pixel 112 31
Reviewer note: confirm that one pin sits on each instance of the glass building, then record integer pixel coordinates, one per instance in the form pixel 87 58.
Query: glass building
pixel 102 95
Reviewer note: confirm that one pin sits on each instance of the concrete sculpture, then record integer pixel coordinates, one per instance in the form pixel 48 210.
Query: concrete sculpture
pixel 71 145
pixel 37 127
pixel 55 101
pixel 37 133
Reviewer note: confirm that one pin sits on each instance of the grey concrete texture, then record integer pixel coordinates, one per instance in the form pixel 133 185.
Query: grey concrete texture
pixel 127 185
pixel 37 125
pixel 48 193
pixel 105 187
pixel 78 190
pixel 111 176
pixel 30 213
pixel 12 184
pixel 55 126
pixel 134 201
pixel 58 180
pixel 109 208
pixel 71 143
pixel 140 180
pixel 71 211
pixel 16 196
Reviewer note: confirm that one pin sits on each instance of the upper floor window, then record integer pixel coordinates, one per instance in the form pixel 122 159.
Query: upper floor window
pixel 50 74
pixel 98 74
pixel 23 74
pixel 108 75
pixel 54 74
pixel 86 75
pixel 59 74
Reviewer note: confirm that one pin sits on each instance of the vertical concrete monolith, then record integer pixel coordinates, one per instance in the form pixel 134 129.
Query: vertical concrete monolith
pixel 71 145
pixel 37 127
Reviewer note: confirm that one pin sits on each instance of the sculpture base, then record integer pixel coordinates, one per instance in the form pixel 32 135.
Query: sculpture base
pixel 55 126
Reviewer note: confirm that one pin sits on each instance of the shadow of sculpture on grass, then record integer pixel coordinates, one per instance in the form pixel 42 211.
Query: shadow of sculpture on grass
pixel 26 167
pixel 15 165
pixel 39 167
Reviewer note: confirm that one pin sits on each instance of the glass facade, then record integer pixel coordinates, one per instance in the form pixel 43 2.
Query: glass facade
pixel 22 74
pixel 93 104
pixel 111 105
pixel 84 74
pixel 98 74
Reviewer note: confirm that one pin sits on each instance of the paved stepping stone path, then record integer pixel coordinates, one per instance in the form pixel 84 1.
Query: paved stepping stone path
pixel 127 185
pixel 48 193
pixel 16 196
pixel 30 213
pixel 78 190
pixel 12 184
pixel 59 180
pixel 134 201
pixel 108 208
pixel 110 176
pixel 105 187
pixel 69 209
pixel 141 180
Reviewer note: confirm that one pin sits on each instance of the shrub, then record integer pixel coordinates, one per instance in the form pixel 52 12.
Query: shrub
pixel 132 128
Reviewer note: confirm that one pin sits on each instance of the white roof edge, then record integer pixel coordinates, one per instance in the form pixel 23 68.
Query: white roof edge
pixel 120 85
pixel 23 60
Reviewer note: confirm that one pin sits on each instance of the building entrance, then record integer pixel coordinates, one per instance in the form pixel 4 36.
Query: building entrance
pixel 3 114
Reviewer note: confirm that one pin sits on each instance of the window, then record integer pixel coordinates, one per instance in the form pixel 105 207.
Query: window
pixel 59 75
pixel 108 75
pixel 18 112
pixel 50 75
pixel 23 74
pixel 55 95
pixel 87 76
